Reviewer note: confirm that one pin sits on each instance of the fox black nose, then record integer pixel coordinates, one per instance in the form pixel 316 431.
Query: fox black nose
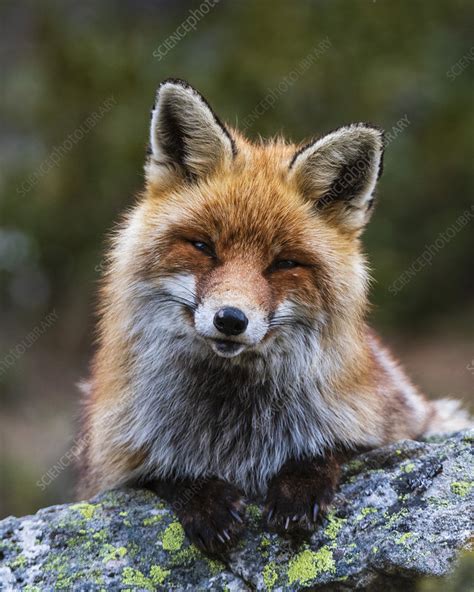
pixel 230 321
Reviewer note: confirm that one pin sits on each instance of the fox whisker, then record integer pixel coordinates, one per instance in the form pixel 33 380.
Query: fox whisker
pixel 290 322
pixel 183 288
pixel 167 298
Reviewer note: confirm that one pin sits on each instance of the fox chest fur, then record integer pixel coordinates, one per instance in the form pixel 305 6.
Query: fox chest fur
pixel 239 423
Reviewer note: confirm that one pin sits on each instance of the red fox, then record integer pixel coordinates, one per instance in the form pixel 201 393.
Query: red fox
pixel 234 359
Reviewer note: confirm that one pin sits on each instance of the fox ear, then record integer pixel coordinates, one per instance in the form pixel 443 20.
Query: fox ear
pixel 338 173
pixel 186 137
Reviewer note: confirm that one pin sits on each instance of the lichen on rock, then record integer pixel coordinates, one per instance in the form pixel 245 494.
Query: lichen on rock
pixel 402 512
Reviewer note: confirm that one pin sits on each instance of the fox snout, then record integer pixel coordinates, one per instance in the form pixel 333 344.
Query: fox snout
pixel 230 324
pixel 232 312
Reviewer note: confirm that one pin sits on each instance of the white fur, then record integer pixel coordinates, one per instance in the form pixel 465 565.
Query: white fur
pixel 449 416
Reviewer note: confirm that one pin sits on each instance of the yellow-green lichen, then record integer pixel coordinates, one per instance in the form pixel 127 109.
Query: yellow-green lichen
pixel 186 556
pixel 135 578
pixel 96 576
pixel 270 575
pixel 408 468
pixel 263 546
pixel 85 509
pixel 55 563
pixel 355 466
pixel 215 566
pixel 439 502
pixel 173 537
pixel 307 565
pixel 254 512
pixel 404 538
pixel 264 543
pixel 75 541
pixel 100 536
pixel 133 549
pixel 334 526
pixel 18 563
pixel 392 518
pixel 365 512
pixel 114 553
pixel 158 574
pixel 154 519
pixel 461 488
pixel 60 570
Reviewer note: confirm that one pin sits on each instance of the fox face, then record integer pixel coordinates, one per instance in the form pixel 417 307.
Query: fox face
pixel 248 249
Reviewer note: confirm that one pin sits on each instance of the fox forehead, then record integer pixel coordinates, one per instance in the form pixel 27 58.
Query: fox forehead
pixel 252 207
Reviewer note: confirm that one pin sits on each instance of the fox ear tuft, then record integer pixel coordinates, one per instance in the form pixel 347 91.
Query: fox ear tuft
pixel 339 172
pixel 187 140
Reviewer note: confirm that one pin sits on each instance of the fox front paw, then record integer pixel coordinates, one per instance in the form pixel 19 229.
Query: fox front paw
pixel 213 516
pixel 297 498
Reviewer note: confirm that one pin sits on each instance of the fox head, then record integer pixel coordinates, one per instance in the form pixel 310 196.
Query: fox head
pixel 240 249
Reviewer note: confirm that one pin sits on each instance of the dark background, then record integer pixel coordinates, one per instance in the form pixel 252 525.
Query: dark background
pixel 61 60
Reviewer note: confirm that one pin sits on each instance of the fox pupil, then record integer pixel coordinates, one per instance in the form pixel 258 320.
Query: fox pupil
pixel 203 247
pixel 285 264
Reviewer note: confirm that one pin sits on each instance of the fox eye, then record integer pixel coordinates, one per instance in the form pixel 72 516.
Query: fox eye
pixel 204 248
pixel 284 264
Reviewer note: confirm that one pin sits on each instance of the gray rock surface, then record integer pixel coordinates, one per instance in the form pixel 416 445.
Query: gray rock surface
pixel 401 512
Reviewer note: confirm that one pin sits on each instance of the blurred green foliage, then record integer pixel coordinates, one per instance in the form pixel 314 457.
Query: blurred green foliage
pixel 388 60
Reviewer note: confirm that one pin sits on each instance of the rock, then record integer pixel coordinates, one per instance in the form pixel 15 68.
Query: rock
pixel 402 512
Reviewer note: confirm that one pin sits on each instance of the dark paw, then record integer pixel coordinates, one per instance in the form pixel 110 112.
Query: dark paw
pixel 294 507
pixel 213 518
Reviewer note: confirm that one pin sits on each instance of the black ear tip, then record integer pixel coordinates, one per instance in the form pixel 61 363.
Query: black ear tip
pixel 373 128
pixel 381 136
pixel 175 82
